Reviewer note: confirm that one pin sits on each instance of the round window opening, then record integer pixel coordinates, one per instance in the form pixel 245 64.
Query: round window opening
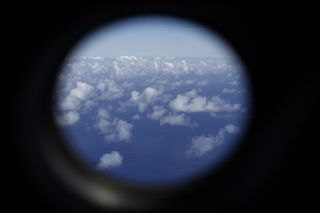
pixel 152 100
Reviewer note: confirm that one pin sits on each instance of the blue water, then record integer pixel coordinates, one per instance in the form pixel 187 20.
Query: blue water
pixel 157 154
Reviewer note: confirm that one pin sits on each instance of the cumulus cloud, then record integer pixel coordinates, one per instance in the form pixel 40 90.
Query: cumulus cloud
pixel 127 84
pixel 156 65
pixel 126 67
pixel 234 83
pixel 70 103
pixel 201 145
pixel 202 83
pixel 177 84
pixel 142 100
pixel 108 160
pixel 161 114
pixel 158 113
pixel 175 119
pixel 97 67
pixel 229 91
pixel 113 129
pixel 68 118
pixel 189 81
pixel 88 105
pixel 81 92
pixel 170 65
pixel 183 64
pixel 109 90
pixel 192 102
pixel 122 131
pixel 116 67
pixel 149 94
pixel 231 128
pixel 125 57
pixel 136 117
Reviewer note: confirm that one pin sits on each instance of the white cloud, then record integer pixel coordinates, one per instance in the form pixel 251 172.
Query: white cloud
pixel 183 64
pixel 116 67
pixel 97 67
pixel 202 83
pixel 217 104
pixel 175 119
pixel 70 103
pixel 81 92
pixel 127 84
pixel 125 57
pixel 234 83
pixel 156 65
pixel 180 83
pixel 89 104
pixel 201 145
pixel 122 131
pixel 160 113
pixel 126 67
pixel 149 93
pixel 136 117
pixel 135 96
pixel 189 81
pixel 68 118
pixel 203 63
pixel 104 113
pixel 109 90
pixel 231 128
pixel 101 86
pixel 142 100
pixel 113 129
pixel 192 102
pixel 170 65
pixel 176 84
pixel 229 91
pixel 108 160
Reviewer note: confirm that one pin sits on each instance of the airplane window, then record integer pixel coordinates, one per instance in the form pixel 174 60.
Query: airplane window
pixel 152 100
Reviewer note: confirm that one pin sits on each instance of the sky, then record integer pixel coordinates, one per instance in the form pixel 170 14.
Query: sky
pixel 153 36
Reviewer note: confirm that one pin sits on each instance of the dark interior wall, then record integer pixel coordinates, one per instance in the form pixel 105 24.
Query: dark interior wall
pixel 279 44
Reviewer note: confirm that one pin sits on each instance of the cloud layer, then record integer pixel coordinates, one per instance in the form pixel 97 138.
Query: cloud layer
pixel 68 118
pixel 114 94
pixel 113 129
pixel 201 145
pixel 192 102
pixel 144 99
pixel 109 160
pixel 78 94
pixel 109 90
pixel 164 117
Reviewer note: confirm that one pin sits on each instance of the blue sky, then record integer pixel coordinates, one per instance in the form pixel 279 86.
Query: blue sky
pixel 153 36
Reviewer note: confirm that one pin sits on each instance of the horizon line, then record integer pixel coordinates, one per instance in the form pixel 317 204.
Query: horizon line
pixel 155 56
